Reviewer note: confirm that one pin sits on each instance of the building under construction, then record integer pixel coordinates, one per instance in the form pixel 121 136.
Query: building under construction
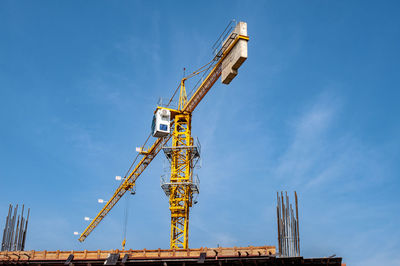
pixel 172 121
pixel 204 256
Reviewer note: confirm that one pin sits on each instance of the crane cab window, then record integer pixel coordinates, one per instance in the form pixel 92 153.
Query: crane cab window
pixel 163 127
pixel 161 123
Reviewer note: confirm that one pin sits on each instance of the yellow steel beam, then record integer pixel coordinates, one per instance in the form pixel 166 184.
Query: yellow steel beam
pixel 127 184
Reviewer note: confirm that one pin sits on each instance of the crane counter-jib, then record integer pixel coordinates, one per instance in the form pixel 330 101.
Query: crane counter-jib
pixel 228 69
pixel 212 77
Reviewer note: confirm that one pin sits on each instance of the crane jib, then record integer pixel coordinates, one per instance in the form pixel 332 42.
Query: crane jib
pixel 128 183
pixel 189 107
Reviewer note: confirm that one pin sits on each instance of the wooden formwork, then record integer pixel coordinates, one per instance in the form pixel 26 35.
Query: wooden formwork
pixel 220 252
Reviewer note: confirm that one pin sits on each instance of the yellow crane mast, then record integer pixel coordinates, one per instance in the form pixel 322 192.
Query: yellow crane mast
pixel 181 187
pixel 176 123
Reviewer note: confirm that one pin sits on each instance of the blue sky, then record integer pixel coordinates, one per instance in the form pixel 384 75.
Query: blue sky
pixel 313 109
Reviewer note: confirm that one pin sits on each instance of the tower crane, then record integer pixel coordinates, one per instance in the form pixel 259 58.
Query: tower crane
pixel 229 55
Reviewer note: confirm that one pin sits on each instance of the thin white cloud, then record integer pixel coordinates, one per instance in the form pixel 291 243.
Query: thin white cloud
pixel 323 155
pixel 307 146
pixel 320 153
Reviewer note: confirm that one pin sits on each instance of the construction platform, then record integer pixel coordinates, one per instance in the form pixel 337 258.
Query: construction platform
pixel 240 256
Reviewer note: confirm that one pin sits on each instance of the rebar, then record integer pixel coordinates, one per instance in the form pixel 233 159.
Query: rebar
pixel 14 233
pixel 288 226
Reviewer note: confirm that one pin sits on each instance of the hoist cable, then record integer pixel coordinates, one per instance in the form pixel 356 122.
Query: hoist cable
pixel 125 222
